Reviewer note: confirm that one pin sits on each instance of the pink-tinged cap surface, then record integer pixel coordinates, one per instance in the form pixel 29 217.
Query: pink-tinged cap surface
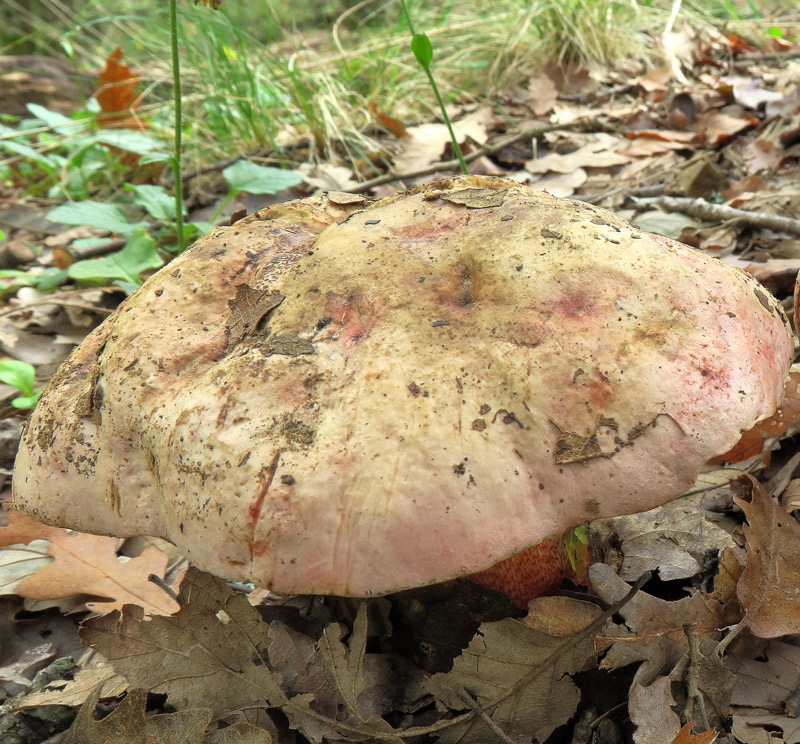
pixel 351 398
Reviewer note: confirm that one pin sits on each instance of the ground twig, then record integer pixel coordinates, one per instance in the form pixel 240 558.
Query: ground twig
pixel 57 299
pixel 473 704
pixel 704 210
pixel 694 695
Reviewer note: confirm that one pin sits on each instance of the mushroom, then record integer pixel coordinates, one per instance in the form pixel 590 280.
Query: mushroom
pixel 341 396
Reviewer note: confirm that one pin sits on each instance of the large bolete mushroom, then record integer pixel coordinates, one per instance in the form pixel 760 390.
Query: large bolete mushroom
pixel 345 397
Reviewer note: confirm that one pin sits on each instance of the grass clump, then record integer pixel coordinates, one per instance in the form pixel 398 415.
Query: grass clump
pixel 306 73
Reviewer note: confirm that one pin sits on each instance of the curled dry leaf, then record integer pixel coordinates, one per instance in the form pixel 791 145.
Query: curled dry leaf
pixel 719 125
pixel 598 154
pixel 425 144
pixel 560 616
pixel 769 587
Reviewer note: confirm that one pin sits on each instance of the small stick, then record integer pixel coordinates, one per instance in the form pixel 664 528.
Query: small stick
pixel 161 584
pixel 473 704
pixel 693 693
pixel 702 209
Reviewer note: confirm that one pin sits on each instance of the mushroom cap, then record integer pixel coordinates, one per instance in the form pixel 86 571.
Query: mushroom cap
pixel 356 398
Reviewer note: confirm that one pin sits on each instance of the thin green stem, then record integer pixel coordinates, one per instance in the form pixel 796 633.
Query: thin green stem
pixel 176 152
pixel 407 15
pixel 421 46
pixel 453 138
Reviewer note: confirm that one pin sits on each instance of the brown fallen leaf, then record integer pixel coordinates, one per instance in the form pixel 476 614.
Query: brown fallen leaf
pixel 116 94
pixel 600 153
pixel 653 629
pixel 75 691
pixel 217 650
pixel 395 126
pixel 650 709
pixel 518 676
pixel 560 616
pixel 719 125
pixel 88 564
pixel 764 684
pixel 542 93
pixel 21 530
pixel 28 644
pixel 673 539
pixel 425 144
pixel 685 736
pixel 769 587
pixel 129 724
pixel 561 184
pixel 239 733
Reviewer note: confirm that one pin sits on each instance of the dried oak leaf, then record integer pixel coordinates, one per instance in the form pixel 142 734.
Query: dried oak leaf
pixel 332 673
pixel 653 629
pixel 249 312
pixel 88 564
pixel 518 676
pixel 764 684
pixel 672 539
pixel 128 724
pixel 75 691
pixel 218 650
pixel 116 94
pixel 650 710
pixel 21 530
pixel 769 587
pixel 239 733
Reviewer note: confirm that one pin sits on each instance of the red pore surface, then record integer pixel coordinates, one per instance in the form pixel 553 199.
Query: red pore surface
pixel 365 398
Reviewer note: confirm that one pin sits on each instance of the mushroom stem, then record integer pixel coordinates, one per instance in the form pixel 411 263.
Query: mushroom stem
pixel 539 569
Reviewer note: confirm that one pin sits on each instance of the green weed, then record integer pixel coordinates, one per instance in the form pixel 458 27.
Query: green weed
pixel 20 375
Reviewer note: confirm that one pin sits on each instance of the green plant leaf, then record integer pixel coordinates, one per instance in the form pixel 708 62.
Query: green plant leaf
pixel 49 163
pixel 202 227
pixel 97 214
pixel 19 374
pixel 259 179
pixel 26 401
pixel 154 157
pixel 126 139
pixel 60 123
pixel 126 265
pixel 155 200
pixel 422 48
pixel 44 280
